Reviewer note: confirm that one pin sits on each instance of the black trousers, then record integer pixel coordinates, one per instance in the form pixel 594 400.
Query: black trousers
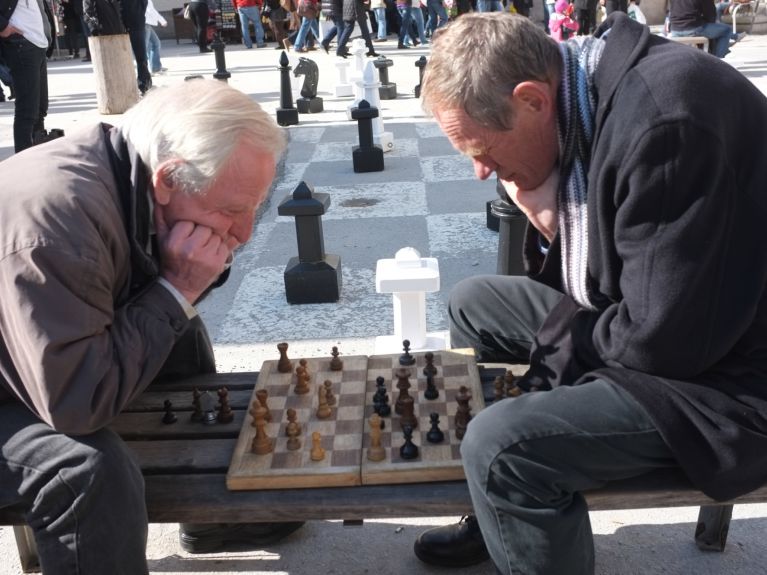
pixel 200 14
pixel 29 70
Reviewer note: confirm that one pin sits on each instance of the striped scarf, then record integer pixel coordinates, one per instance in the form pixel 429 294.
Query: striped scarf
pixel 576 113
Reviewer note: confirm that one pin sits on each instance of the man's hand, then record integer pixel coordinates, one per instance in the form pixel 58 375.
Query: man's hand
pixel 539 204
pixel 10 30
pixel 192 257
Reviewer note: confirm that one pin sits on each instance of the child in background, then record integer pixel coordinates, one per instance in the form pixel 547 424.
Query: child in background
pixel 561 23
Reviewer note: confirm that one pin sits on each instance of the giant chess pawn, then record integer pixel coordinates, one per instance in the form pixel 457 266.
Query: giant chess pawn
pixel 367 157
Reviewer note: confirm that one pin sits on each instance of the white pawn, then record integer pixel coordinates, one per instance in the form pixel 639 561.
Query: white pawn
pixel 370 93
pixel 343 86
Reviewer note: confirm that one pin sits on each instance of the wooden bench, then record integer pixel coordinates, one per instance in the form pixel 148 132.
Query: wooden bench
pixel 700 42
pixel 185 467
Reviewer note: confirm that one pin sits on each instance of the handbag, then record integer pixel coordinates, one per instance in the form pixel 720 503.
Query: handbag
pixel 187 13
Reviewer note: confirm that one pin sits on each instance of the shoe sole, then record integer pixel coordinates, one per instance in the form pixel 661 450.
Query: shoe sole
pixel 214 544
pixel 445 561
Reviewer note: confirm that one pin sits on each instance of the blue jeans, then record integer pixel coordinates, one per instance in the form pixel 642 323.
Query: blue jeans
pixel 417 15
pixel 437 14
pixel 83 496
pixel 407 17
pixel 381 20
pixel 307 24
pixel 527 459
pixel 337 29
pixel 153 49
pixel 489 6
pixel 252 14
pixel 29 70
pixel 717 33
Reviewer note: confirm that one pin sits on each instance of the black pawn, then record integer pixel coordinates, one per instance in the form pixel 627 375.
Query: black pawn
pixel 287 115
pixel 431 389
pixel 169 416
pixel 435 434
pixel 409 450
pixel 406 358
pixel 387 90
pixel 421 65
pixel 314 276
pixel 367 157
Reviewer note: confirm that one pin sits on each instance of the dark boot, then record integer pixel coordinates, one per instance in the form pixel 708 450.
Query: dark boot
pixel 457 545
pixel 210 538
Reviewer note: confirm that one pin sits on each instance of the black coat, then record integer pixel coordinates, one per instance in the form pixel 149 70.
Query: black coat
pixel 677 212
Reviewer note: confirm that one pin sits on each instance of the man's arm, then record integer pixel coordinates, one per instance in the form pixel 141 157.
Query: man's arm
pixel 76 360
pixel 683 231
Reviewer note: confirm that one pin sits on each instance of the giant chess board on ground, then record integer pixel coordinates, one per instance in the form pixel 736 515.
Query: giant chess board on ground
pixel 427 197
pixel 345 435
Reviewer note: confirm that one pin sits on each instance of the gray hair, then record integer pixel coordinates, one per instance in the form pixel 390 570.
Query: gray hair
pixel 198 122
pixel 480 58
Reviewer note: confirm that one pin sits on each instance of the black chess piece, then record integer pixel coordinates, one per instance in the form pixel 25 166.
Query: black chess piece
pixel 367 157
pixel 434 435
pixel 169 416
pixel 314 276
pixel 406 358
pixel 287 114
pixel 421 65
pixel 429 368
pixel 309 102
pixel 431 389
pixel 409 450
pixel 387 90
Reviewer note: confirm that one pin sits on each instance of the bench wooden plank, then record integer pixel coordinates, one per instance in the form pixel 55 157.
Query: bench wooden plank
pixel 183 457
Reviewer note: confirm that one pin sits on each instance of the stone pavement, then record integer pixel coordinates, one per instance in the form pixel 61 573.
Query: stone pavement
pixel 426 198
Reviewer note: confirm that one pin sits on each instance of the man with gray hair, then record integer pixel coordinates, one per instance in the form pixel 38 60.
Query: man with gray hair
pixel 644 313
pixel 107 239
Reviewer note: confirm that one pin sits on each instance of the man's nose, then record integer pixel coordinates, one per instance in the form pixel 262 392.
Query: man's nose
pixel 483 167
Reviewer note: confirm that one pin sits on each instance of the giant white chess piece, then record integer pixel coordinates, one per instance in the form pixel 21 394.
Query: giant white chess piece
pixel 408 277
pixel 370 85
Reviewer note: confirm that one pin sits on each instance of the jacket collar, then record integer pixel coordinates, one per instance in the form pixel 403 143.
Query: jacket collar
pixel 626 42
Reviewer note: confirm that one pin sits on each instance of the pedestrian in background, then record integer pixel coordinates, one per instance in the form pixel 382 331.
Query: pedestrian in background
pixel 153 45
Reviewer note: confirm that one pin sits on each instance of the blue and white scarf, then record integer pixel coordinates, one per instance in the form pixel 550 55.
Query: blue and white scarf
pixel 576 120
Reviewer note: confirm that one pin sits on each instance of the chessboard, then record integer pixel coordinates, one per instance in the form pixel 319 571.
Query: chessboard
pixel 345 435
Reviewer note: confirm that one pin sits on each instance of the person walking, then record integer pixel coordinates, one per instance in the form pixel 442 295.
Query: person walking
pixel 153 45
pixel 250 11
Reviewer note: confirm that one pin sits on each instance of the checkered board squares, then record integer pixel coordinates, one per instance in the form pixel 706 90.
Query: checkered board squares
pixel 345 435
pixel 435 462
pixel 341 433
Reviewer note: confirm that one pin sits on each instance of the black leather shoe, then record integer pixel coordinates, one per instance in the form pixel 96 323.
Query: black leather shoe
pixel 372 54
pixel 458 545
pixel 210 538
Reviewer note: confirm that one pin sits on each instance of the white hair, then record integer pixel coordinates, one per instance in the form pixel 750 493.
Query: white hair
pixel 198 122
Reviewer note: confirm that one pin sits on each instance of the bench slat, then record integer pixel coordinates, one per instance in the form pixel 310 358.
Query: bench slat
pixel 149 426
pixel 181 456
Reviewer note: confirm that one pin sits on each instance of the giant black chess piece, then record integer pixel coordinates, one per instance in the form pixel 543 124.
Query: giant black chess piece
pixel 387 90
pixel 367 157
pixel 313 276
pixel 287 115
pixel 421 65
pixel 309 102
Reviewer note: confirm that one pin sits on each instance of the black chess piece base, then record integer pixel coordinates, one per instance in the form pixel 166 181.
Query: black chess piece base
pixel 310 105
pixel 368 160
pixel 313 282
pixel 387 91
pixel 287 116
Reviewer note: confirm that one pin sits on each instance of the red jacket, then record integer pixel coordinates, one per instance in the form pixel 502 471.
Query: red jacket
pixel 247 3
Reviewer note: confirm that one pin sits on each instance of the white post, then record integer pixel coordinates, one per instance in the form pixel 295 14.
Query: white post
pixel 343 87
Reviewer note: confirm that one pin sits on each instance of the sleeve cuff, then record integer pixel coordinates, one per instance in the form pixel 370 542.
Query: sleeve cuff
pixel 188 308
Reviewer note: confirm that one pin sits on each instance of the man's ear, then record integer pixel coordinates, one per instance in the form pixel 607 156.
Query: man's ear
pixel 164 181
pixel 534 96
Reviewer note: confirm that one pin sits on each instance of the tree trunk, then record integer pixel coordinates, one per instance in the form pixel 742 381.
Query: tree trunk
pixel 116 85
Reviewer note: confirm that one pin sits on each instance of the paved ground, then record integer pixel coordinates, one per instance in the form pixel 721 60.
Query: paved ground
pixel 425 198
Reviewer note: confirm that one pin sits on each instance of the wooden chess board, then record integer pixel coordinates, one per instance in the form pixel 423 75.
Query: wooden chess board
pixel 345 435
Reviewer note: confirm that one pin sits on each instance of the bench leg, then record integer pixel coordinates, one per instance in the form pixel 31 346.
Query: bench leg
pixel 25 543
pixel 713 526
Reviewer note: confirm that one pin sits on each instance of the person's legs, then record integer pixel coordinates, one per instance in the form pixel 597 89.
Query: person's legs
pixel 83 496
pixel 417 14
pixel 245 27
pixel 200 13
pixel 380 13
pixel 298 45
pixel 343 37
pixel 255 14
pixel 719 36
pixel 528 459
pixel 498 315
pixel 27 65
pixel 336 29
pixel 362 20
pixel 405 13
pixel 153 50
pixel 440 19
pixel 138 45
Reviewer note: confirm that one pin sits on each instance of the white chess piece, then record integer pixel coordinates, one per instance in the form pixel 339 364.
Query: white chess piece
pixel 343 86
pixel 370 93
